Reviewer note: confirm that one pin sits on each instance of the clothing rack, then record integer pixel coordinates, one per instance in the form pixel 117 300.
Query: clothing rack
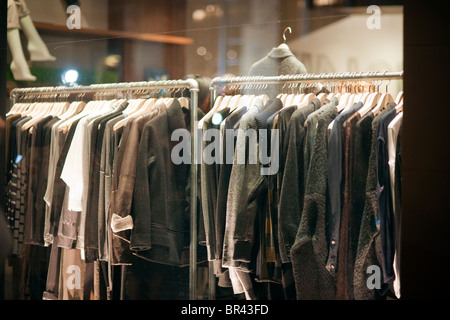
pixel 260 82
pixel 124 87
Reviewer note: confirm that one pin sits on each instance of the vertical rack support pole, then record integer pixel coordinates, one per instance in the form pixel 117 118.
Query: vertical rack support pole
pixel 193 88
pixel 211 275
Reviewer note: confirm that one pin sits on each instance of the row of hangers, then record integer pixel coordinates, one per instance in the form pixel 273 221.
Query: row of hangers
pixel 234 102
pixel 70 111
pixel 138 107
pixel 347 94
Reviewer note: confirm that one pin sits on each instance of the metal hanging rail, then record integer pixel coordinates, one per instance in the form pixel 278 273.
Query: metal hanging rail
pixel 193 87
pixel 302 78
pixel 309 77
pixel 191 84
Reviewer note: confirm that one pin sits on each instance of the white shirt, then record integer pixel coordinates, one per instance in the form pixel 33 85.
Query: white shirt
pixel 74 167
pixel 393 130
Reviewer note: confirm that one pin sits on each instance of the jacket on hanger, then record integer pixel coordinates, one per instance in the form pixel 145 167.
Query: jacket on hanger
pixel 279 61
pixel 335 178
pixel 121 219
pixel 244 190
pixel 159 206
pixel 290 207
pixel 230 123
pixel 108 149
pixel 209 180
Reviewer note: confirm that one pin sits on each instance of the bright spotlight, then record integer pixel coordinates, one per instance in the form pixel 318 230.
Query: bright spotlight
pixel 217 118
pixel 70 76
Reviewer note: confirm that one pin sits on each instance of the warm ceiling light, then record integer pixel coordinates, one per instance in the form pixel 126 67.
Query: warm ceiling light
pixel 201 51
pixel 232 54
pixel 199 15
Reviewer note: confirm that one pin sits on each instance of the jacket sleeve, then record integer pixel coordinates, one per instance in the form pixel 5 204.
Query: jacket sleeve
pixel 385 205
pixel 206 198
pixel 245 187
pixel 140 237
pixel 244 235
pixel 121 219
pixel 291 195
pixel 234 199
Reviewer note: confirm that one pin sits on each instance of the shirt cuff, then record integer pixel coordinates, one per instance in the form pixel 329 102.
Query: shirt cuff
pixel 119 223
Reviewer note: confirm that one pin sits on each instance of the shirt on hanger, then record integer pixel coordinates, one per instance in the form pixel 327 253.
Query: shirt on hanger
pixel 335 158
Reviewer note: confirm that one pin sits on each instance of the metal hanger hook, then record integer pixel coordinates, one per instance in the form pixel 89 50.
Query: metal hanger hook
pixel 284 33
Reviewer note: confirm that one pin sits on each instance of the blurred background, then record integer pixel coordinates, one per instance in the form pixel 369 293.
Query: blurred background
pixel 138 40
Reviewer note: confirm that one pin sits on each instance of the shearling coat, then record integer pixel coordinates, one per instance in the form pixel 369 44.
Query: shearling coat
pixel 309 252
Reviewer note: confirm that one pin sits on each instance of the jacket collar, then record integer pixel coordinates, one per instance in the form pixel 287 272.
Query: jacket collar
pixel 175 116
pixel 317 103
pixel 280 52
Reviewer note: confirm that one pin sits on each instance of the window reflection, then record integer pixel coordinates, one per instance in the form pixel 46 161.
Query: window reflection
pixel 119 41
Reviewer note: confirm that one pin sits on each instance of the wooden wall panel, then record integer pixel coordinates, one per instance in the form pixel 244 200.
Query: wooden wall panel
pixel 163 17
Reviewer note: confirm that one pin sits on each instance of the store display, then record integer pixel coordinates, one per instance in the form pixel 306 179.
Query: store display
pixel 277 228
pixel 283 184
pixel 271 224
pixel 19 19
pixel 302 179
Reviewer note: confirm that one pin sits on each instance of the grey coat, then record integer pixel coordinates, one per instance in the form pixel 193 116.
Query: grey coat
pixel 279 61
